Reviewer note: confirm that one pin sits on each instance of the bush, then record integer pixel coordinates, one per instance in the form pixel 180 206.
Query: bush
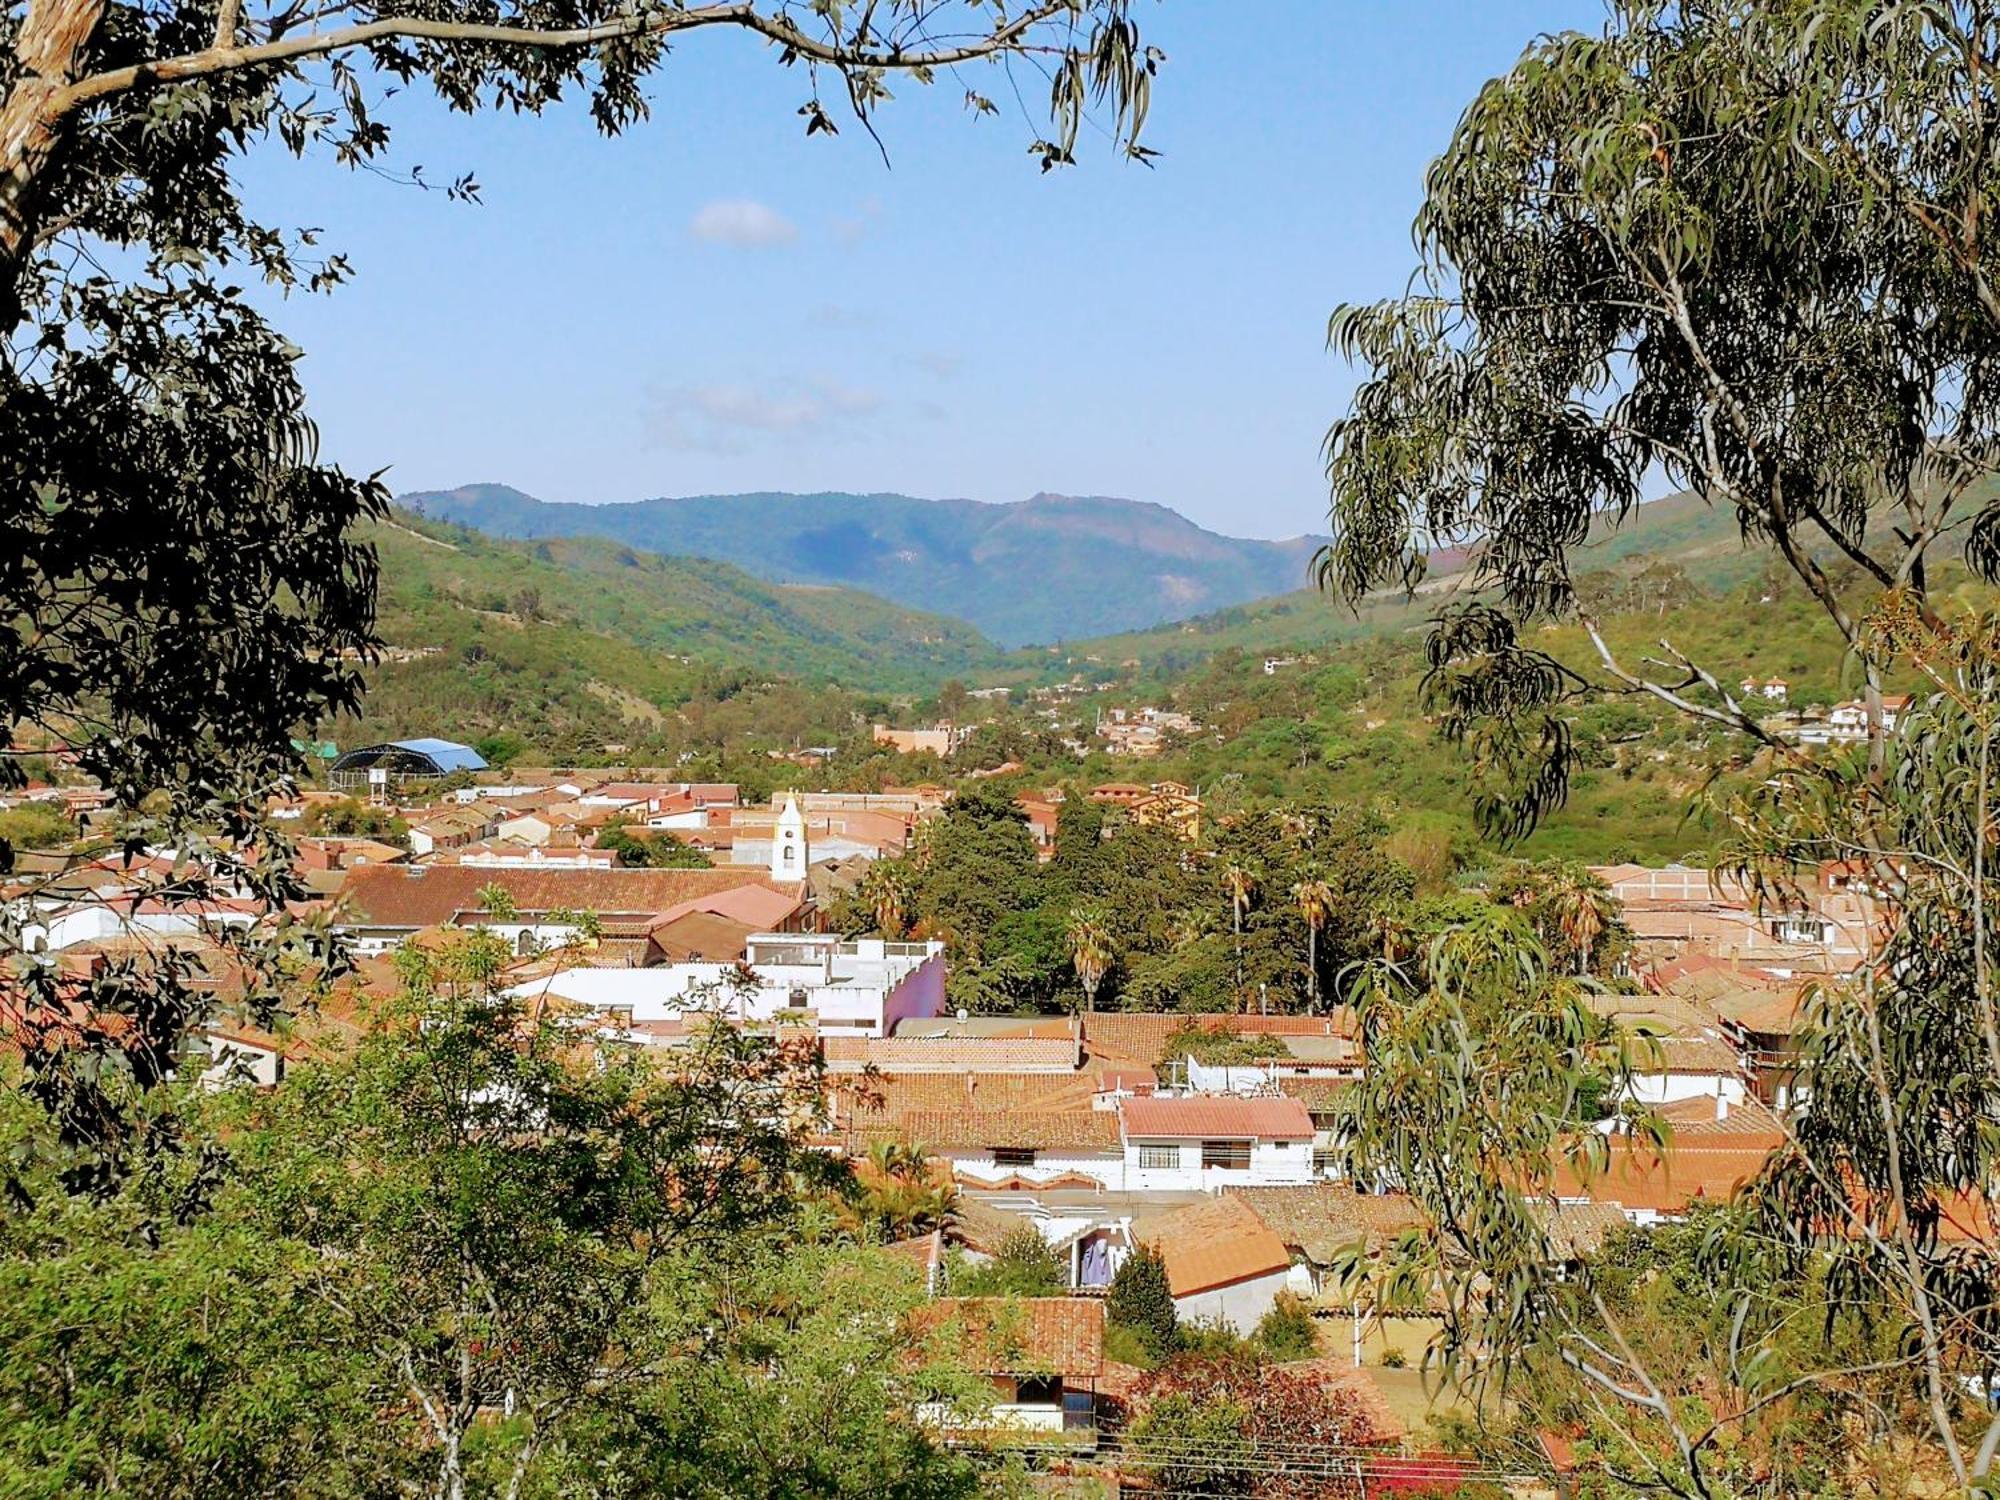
pixel 1024 1266
pixel 1141 1300
pixel 1394 1359
pixel 1288 1330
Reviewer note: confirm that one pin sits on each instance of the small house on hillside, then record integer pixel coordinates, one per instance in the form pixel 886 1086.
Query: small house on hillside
pixel 1043 1354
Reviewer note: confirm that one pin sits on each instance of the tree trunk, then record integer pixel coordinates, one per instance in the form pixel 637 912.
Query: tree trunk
pixel 1312 967
pixel 49 51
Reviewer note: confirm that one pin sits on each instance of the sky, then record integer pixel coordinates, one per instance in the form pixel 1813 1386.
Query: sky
pixel 713 303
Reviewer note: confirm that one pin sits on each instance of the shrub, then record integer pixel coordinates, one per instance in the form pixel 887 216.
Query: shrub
pixel 1141 1300
pixel 1288 1330
pixel 1024 1266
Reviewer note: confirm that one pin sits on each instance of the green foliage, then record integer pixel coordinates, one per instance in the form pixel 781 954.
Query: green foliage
pixel 1023 1266
pixel 334 1287
pixel 348 817
pixel 1288 1331
pixel 1096 562
pixel 1206 1425
pixel 637 849
pixel 1141 1300
pixel 36 825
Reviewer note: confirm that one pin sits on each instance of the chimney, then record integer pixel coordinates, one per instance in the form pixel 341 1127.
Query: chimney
pixel 1721 1107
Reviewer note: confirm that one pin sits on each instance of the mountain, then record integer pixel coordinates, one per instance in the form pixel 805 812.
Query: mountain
pixel 1049 568
pixel 1682 530
pixel 580 634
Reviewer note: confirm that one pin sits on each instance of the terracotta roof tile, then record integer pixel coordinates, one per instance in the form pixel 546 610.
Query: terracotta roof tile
pixel 1216 1116
pixel 946 1054
pixel 1639 1178
pixel 1021 1335
pixel 1322 1220
pixel 1214 1243
pixel 431 895
pixel 901 1093
pixel 1080 1130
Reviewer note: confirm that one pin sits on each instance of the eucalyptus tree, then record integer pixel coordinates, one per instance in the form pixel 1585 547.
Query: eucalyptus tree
pixel 1739 248
pixel 184 589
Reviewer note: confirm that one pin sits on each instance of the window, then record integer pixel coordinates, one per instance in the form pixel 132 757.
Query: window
pixel 1159 1158
pixel 1234 1155
pixel 1326 1163
pixel 1038 1390
pixel 1013 1156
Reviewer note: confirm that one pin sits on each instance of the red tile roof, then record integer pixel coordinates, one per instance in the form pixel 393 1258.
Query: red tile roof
pixel 902 1093
pixel 1021 1335
pixel 1087 1131
pixel 761 907
pixel 1322 1220
pixel 1640 1178
pixel 431 895
pixel 953 1054
pixel 1214 1243
pixel 1216 1116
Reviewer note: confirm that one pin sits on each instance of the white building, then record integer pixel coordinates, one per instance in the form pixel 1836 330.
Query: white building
pixel 1208 1142
pixel 858 988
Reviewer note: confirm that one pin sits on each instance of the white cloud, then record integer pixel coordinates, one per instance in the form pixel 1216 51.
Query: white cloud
pixel 723 416
pixel 940 364
pixel 742 222
pixel 852 228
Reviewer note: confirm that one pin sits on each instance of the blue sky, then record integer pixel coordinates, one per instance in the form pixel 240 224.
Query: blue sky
pixel 713 303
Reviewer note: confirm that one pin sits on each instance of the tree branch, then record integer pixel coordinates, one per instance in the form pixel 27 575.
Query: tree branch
pixel 226 59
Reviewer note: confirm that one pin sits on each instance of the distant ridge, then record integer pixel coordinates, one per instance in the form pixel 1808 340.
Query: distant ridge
pixel 1049 568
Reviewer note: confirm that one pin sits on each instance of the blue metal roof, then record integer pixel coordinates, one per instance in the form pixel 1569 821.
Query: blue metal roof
pixel 448 754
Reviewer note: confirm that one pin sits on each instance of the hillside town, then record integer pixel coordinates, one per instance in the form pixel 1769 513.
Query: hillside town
pixel 637 912
pixel 999 750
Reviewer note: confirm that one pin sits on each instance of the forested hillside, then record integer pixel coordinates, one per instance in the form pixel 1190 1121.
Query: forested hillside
pixel 1049 568
pixel 571 642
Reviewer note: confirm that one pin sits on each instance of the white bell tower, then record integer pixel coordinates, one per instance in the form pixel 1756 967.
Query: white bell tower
pixel 790 854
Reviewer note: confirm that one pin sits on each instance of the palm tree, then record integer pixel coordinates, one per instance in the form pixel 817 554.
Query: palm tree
pixel 495 901
pixel 1090 951
pixel 1238 883
pixel 1584 909
pixel 1315 902
pixel 886 888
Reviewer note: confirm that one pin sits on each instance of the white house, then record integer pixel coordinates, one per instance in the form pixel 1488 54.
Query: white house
pixel 1225 1266
pixel 858 988
pixel 1212 1141
pixel 1016 1148
pixel 1668 1069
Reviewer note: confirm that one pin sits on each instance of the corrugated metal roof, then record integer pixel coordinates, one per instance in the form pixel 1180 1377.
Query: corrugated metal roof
pixel 448 754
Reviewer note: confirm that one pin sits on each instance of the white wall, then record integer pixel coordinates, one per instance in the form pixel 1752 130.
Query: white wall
pixel 979 1166
pixel 1240 1306
pixel 1272 1164
pixel 869 990
pixel 1671 1088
